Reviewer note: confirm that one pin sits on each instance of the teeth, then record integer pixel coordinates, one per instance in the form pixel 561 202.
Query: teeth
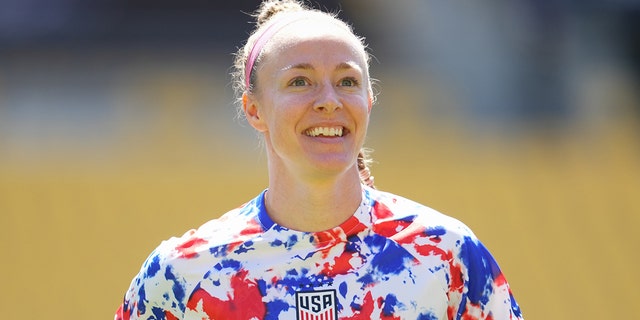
pixel 325 131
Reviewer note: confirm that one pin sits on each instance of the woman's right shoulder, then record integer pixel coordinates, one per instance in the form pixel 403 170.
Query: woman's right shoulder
pixel 214 236
pixel 189 256
pixel 176 266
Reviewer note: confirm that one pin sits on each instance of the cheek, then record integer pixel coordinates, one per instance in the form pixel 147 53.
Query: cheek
pixel 283 114
pixel 361 107
pixel 289 108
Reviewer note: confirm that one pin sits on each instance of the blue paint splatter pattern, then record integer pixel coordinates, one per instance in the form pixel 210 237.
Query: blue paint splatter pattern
pixel 393 259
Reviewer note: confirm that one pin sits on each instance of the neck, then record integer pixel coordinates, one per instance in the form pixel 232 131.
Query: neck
pixel 313 205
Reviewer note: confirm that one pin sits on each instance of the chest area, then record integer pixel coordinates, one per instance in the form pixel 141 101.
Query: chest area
pixel 363 278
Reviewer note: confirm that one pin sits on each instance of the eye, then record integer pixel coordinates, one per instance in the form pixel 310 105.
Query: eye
pixel 349 82
pixel 298 82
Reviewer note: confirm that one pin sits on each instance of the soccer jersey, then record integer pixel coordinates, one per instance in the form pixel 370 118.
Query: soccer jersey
pixel 393 259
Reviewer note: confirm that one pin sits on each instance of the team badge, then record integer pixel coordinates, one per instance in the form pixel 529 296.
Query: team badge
pixel 316 305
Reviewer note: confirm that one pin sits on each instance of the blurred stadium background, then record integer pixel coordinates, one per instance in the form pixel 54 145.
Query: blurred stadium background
pixel 118 129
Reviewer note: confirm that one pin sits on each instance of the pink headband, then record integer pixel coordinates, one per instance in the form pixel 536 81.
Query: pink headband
pixel 264 37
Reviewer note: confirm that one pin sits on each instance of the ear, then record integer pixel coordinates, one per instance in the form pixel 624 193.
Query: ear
pixel 252 112
pixel 371 100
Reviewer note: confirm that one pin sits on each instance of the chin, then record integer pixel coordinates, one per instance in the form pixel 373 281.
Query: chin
pixel 333 163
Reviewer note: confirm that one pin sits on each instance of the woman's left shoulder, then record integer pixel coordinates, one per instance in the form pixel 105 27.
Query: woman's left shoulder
pixel 389 208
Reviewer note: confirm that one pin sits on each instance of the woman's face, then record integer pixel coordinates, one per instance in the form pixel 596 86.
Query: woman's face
pixel 313 99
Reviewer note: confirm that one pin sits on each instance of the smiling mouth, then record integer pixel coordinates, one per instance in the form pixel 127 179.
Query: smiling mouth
pixel 325 132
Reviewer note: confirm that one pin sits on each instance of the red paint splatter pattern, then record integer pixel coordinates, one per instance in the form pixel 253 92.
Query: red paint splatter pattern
pixel 393 259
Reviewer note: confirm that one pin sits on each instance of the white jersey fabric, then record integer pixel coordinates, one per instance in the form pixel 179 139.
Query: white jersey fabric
pixel 393 259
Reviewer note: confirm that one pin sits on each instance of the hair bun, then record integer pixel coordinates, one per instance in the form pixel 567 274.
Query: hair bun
pixel 270 8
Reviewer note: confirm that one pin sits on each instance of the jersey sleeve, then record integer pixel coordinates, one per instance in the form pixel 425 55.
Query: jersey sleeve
pixel 157 292
pixel 485 293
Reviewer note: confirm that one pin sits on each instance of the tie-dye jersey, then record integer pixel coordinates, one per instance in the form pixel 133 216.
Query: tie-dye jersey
pixel 393 259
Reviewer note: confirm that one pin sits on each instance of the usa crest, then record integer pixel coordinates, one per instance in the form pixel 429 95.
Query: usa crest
pixel 317 305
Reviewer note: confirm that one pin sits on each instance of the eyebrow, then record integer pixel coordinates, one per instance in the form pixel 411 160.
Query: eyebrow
pixel 308 66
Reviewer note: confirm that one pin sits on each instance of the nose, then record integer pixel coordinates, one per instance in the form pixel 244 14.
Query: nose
pixel 327 100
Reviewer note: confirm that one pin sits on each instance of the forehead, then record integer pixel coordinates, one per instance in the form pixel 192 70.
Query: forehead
pixel 313 37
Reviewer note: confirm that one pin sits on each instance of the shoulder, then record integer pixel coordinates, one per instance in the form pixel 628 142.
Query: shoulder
pixel 235 226
pixel 178 264
pixel 398 217
pixel 211 241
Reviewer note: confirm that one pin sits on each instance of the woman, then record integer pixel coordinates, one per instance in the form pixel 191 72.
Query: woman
pixel 320 242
